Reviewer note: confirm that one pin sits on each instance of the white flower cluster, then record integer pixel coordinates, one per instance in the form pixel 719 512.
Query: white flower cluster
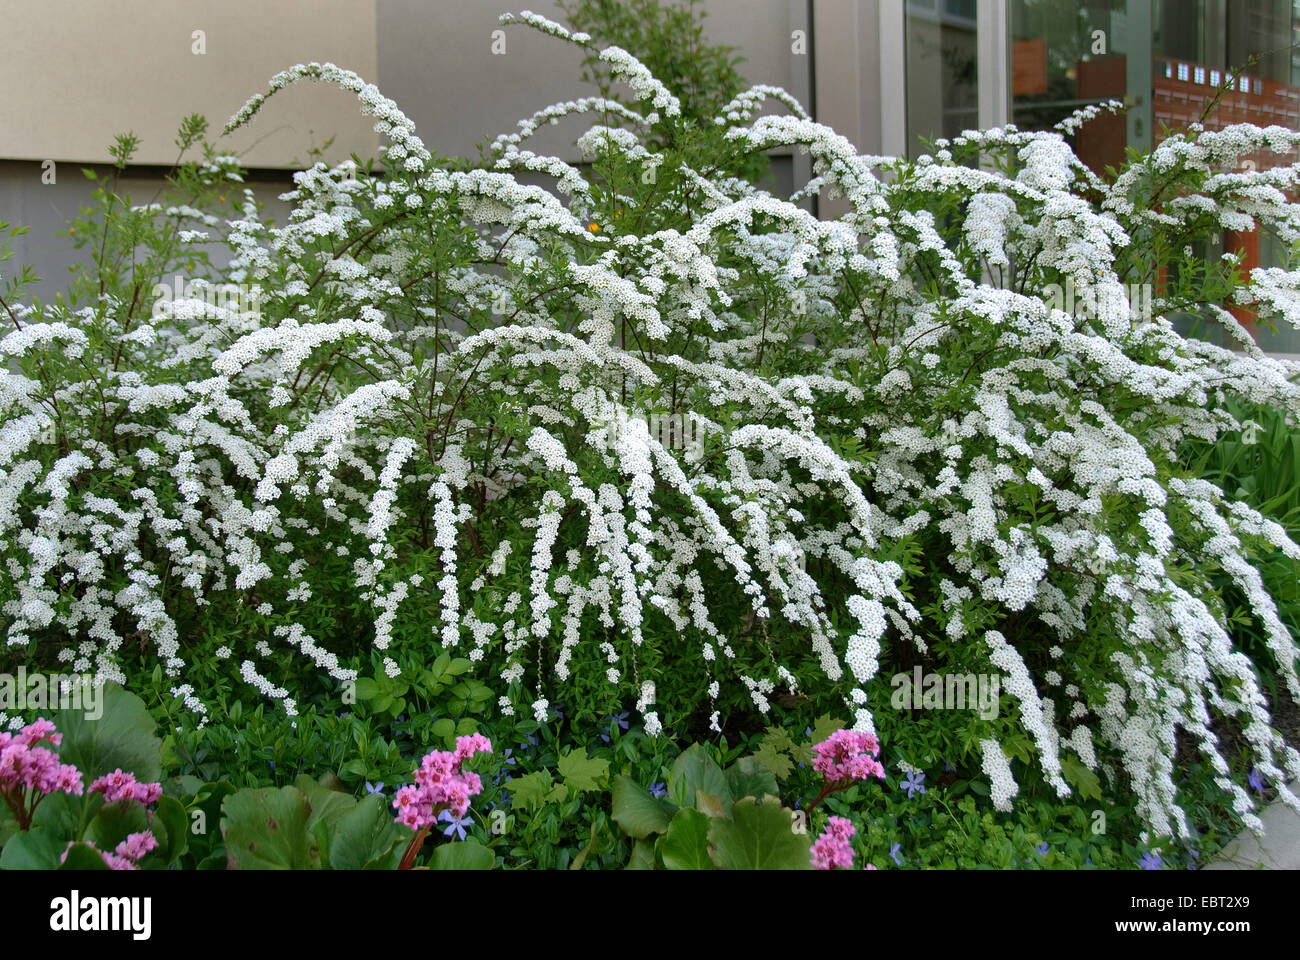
pixel 886 398
pixel 997 768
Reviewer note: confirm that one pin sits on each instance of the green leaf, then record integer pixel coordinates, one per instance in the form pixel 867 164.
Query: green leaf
pixel 823 727
pixel 581 858
pixel 759 836
pixel 444 729
pixel 367 838
pixel 693 771
pixel 82 856
pixel 643 856
pixel 776 762
pixel 1081 778
pixel 114 822
pixel 462 855
pixel 710 804
pixel 581 773
pixel 267 830
pixel 327 807
pixel 778 739
pixel 210 797
pixel 366 688
pixel 534 790
pixel 354 769
pixel 635 810
pixel 122 737
pixel 686 844
pixel 183 786
pixel 175 824
pixel 438 668
pixel 34 849
pixel 750 777
pixel 61 813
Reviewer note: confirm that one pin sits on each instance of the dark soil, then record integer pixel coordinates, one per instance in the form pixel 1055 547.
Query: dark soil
pixel 1285 716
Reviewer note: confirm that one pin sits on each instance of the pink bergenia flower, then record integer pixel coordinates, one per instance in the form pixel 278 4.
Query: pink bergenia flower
pixel 136 846
pixel 29 772
pixel 848 755
pixel 39 730
pixel 127 853
pixel 844 758
pixel 466 747
pixel 123 786
pixel 833 849
pixel 441 784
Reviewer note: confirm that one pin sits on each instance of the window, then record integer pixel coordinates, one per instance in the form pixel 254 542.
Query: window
pixel 942 74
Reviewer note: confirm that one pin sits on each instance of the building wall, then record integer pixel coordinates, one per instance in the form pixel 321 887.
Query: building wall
pixel 80 73
pixel 76 74
pixel 436 61
pixel 46 209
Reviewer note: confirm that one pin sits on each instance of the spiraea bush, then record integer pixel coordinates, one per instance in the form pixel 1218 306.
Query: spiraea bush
pixel 434 420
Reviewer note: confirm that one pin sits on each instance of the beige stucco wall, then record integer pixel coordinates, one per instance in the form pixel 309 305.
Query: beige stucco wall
pixel 76 73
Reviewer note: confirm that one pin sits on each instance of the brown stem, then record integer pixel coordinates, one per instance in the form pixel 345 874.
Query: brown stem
pixel 413 848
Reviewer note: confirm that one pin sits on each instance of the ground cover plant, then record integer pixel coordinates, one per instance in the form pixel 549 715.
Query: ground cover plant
pixel 576 476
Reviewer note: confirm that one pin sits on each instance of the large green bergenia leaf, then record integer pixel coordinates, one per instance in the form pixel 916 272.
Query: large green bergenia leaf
pixel 34 849
pixel 367 838
pixel 121 737
pixel 695 770
pixel 267 830
pixel 635 810
pixel 748 777
pixel 82 856
pixel 686 844
pixel 759 836
pixel 462 855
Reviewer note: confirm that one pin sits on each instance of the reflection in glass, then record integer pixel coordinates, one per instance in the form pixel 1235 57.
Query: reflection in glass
pixel 941 70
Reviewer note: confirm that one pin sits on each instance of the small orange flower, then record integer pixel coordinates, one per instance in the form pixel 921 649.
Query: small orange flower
pixel 594 227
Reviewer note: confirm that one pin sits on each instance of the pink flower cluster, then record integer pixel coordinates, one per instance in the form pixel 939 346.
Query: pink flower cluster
pixel 127 853
pixel 27 766
pixel 848 755
pixel 123 786
pixel 441 784
pixel 832 849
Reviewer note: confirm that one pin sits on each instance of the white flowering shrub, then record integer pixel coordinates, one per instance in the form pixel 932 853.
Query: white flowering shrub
pixel 431 432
